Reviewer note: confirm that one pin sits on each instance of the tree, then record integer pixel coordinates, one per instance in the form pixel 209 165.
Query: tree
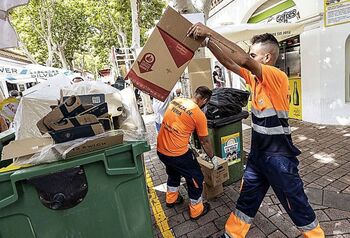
pixel 58 25
pixel 64 33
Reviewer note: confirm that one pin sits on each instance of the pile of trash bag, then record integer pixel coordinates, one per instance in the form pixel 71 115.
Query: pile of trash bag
pixel 226 102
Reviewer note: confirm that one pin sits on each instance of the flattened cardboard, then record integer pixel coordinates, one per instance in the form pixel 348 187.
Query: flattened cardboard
pixel 22 149
pixel 69 108
pixel 165 56
pixel 76 132
pixel 71 122
pixel 214 177
pixel 93 99
pixel 199 72
pixel 99 110
pixel 210 192
pixel 97 144
pixel 25 147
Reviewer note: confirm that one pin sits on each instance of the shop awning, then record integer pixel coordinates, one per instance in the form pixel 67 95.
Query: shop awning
pixel 244 32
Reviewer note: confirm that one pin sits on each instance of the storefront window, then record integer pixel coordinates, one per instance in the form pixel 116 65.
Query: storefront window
pixel 347 70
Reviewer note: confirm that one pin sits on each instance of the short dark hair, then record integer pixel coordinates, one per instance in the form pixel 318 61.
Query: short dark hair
pixel 217 66
pixel 204 92
pixel 265 38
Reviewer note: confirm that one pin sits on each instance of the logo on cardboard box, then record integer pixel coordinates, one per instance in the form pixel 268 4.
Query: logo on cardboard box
pixel 146 62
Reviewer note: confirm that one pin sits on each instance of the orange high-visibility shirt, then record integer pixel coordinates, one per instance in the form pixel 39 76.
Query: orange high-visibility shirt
pixel 271 132
pixel 181 119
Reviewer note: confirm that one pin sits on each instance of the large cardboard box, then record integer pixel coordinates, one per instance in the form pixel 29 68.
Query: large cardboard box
pixel 199 72
pixel 214 177
pixel 165 56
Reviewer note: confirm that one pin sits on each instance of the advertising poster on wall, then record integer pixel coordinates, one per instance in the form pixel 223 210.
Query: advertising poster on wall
pixel 295 106
pixel 336 12
pixel 231 148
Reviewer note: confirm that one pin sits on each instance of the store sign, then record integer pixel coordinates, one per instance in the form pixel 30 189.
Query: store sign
pixel 12 73
pixel 295 106
pixel 290 15
pixel 231 148
pixel 336 12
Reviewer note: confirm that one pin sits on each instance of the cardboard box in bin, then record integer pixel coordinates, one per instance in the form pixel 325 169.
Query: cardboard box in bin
pixel 214 177
pixel 210 192
pixel 165 56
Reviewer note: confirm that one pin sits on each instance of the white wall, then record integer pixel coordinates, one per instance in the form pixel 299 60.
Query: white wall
pixel 310 75
pixel 334 109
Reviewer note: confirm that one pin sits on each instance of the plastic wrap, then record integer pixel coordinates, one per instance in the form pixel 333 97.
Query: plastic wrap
pixel 56 152
pixel 131 121
pixel 29 111
pixel 36 104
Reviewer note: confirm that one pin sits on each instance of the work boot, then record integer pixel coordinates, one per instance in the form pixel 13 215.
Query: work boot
pixel 179 200
pixel 206 209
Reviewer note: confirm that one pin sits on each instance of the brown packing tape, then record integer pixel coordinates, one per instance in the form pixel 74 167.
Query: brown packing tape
pixel 78 120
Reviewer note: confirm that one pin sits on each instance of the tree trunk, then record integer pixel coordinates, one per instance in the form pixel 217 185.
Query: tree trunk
pixel 62 56
pixel 26 51
pixel 135 24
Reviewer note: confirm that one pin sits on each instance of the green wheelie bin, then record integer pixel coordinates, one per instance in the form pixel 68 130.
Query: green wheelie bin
pixel 227 139
pixel 98 194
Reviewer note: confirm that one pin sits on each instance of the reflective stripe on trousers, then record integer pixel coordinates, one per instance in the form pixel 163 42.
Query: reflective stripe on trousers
pixel 172 194
pixel 237 225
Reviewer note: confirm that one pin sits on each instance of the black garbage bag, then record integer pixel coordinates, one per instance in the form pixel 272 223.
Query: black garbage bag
pixel 226 102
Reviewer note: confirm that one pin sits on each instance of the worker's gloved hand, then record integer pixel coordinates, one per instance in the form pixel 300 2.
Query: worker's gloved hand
pixel 215 162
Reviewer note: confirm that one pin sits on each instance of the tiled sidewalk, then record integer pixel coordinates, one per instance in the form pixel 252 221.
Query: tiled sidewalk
pixel 324 167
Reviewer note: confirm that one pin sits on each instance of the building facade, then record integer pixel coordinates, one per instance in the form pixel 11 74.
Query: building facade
pixel 318 59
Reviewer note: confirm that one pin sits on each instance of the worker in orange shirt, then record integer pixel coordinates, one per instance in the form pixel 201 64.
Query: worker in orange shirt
pixel 272 160
pixel 182 117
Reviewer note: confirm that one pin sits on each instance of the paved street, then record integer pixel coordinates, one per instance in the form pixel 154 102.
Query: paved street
pixel 324 167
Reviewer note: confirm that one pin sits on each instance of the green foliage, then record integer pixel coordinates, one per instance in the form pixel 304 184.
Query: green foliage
pixel 86 29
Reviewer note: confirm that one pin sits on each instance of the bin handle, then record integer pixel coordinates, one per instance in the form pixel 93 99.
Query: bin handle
pixel 137 149
pixel 11 198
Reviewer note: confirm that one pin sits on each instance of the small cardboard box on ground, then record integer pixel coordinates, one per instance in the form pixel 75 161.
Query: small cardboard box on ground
pixel 210 192
pixel 199 72
pixel 214 177
pixel 165 56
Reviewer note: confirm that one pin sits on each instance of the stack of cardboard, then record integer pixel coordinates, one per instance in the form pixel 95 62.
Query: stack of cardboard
pixel 76 117
pixel 213 179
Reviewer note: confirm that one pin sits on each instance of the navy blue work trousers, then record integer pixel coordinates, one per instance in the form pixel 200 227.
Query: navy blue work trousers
pixel 187 166
pixel 281 173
